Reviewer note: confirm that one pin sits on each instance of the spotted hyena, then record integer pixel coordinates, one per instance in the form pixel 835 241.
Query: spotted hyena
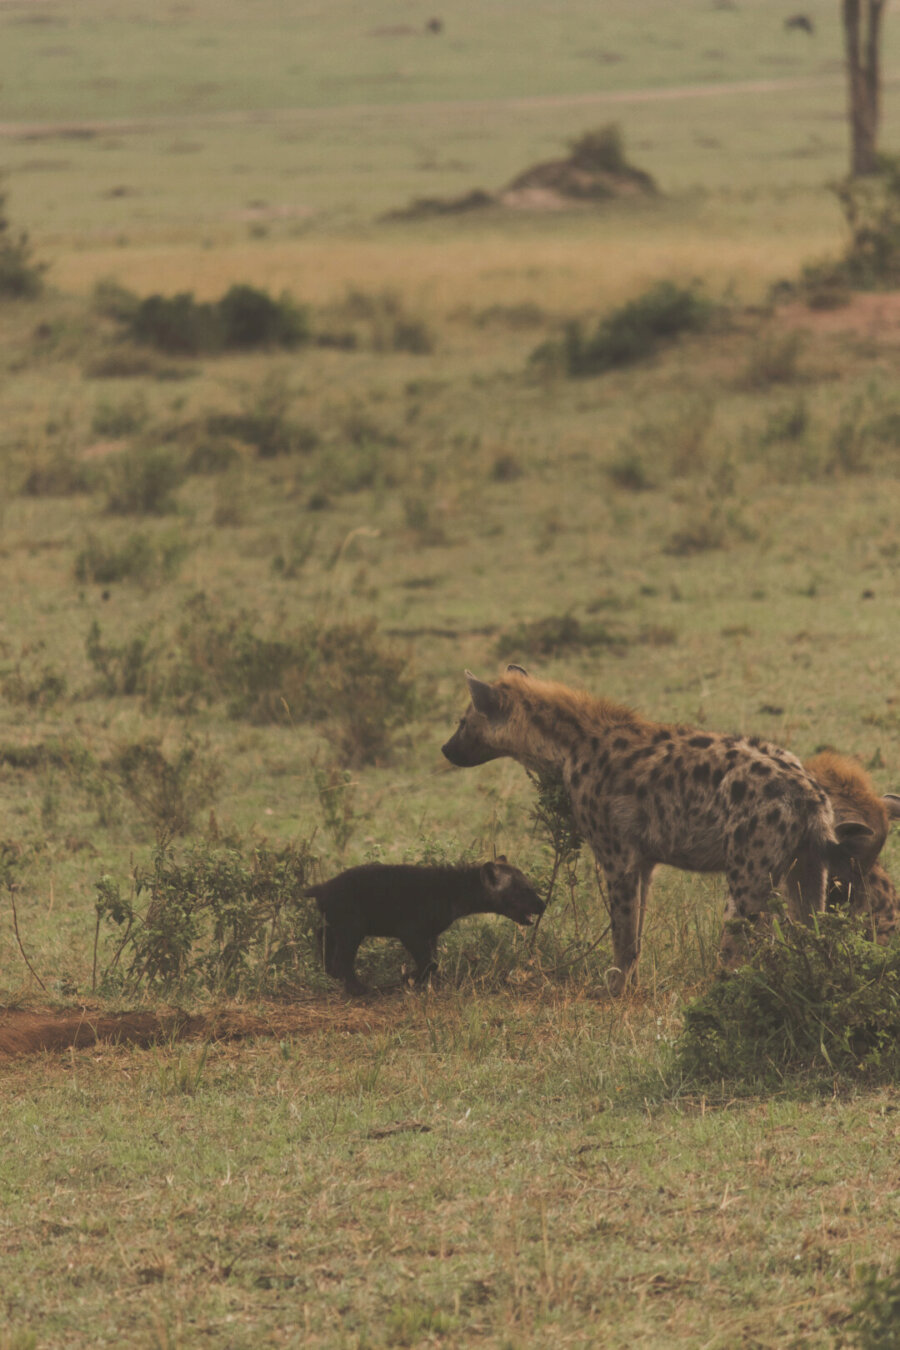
pixel 644 793
pixel 414 904
pixel 857 881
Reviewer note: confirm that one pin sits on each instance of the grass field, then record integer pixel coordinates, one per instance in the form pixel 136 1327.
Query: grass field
pixel 513 1158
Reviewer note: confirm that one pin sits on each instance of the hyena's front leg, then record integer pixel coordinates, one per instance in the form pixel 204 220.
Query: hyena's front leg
pixel 745 914
pixel 627 889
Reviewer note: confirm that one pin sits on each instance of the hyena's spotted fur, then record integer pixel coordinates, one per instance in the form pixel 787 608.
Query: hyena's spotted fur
pixel 857 881
pixel 644 793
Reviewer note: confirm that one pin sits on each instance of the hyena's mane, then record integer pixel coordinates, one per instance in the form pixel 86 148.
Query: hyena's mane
pixel 544 708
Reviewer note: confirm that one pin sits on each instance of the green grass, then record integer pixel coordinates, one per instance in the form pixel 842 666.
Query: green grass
pixel 495 1171
pixel 346 53
pixel 709 535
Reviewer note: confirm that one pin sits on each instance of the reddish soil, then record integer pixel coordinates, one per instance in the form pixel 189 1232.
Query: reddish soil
pixel 28 1031
pixel 872 314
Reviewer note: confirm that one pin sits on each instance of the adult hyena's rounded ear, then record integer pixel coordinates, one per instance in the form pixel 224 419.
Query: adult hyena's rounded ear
pixel 519 670
pixel 892 805
pixel 848 830
pixel 485 699
pixel 853 839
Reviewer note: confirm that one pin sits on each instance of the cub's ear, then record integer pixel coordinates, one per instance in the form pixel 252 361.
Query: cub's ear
pixel 892 803
pixel 490 876
pixel 485 699
pixel 500 858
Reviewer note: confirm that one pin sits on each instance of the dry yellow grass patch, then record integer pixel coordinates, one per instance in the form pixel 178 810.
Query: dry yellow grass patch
pixel 561 270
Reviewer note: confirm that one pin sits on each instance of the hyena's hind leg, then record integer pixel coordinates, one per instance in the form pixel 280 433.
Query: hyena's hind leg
pixel 627 889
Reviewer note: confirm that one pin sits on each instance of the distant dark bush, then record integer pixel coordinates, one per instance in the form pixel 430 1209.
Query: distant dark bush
pixel 112 300
pixel 871 206
pixel 62 475
pixel 629 470
pixel 177 324
pixel 36 689
pixel 124 669
pixel 823 997
pixel 119 419
pixel 871 259
pixel 21 277
pixel 140 558
pixel 144 482
pixel 558 633
pixel 266 429
pixel 340 676
pixel 264 423
pixel 788 423
pixel 506 467
pixel 169 790
pixel 244 318
pixel 631 333
pixel 123 362
pixel 251 318
pixel 390 325
pixel 603 148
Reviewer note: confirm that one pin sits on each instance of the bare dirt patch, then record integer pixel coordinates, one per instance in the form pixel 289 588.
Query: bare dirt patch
pixel 29 1031
pixel 869 314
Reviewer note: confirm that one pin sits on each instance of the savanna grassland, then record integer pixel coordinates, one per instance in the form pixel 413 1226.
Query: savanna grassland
pixel 241 585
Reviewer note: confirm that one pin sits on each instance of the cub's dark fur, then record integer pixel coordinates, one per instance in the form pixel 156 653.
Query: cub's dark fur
pixel 414 904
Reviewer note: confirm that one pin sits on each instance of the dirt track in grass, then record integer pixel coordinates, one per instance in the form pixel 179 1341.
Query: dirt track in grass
pixel 78 129
pixel 30 1031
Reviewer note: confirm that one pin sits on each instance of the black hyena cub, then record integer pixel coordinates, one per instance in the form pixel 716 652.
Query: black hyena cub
pixel 414 904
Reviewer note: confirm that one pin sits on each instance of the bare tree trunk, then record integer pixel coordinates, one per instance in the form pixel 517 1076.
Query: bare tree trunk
pixel 863 81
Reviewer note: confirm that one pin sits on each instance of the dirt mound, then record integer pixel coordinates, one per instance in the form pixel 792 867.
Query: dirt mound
pixel 422 207
pixel 28 1031
pixel 595 170
pixel 578 179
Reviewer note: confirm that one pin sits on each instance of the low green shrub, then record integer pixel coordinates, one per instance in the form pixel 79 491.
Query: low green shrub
pixel 341 676
pixel 871 258
pixel 124 668
pixel 871 207
pixel 21 278
pixel 389 326
pixel 120 419
pixel 177 324
pixel 555 634
pixel 264 424
pixel 112 300
pixel 60 475
pixel 40 688
pixel 875 1316
pixel 140 558
pixel 631 333
pixel 169 790
pixel 243 318
pixel 221 919
pixel 823 998
pixel 144 481
pixel 773 359
pixel 251 318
